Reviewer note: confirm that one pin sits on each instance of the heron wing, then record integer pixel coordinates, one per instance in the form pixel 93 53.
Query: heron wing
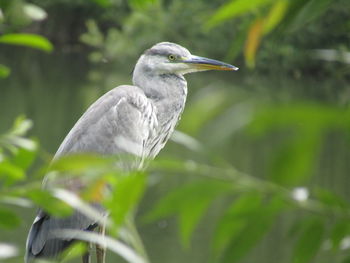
pixel 120 122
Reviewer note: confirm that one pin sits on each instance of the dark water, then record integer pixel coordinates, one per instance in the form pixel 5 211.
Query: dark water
pixel 54 90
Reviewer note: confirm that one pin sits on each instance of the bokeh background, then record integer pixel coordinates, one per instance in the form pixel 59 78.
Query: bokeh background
pixel 282 119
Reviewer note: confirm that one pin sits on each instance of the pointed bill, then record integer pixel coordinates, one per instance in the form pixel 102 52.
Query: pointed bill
pixel 209 64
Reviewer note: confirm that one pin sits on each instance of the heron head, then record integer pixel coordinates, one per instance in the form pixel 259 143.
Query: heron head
pixel 170 58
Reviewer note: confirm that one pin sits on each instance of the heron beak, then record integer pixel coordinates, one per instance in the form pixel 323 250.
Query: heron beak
pixel 209 64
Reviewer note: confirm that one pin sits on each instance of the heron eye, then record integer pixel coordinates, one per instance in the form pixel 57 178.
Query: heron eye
pixel 172 57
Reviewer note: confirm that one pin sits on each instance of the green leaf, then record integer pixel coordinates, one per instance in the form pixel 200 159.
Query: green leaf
pixel 339 231
pixel 74 251
pixel 189 202
pixel 127 191
pixel 234 219
pixel 28 40
pixel 24 158
pixel 203 109
pixel 4 71
pixel 330 199
pixel 8 219
pixel 21 126
pixel 309 242
pixel 304 11
pixel 141 4
pixel 276 14
pixel 34 12
pixel 78 163
pixel 10 172
pixel 246 238
pixel 294 162
pixel 103 3
pixel 233 9
pixel 49 203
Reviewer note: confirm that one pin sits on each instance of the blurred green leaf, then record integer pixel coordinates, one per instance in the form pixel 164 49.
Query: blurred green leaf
pixel 233 9
pixel 21 126
pixel 247 237
pixel 293 163
pixel 77 163
pixel 275 15
pixel 234 219
pixel 127 191
pixel 93 36
pixel 309 242
pixel 74 251
pixel 8 219
pixel 24 158
pixel 330 199
pixel 202 109
pixel 49 203
pixel 29 40
pixel 304 11
pixel 4 71
pixel 340 230
pixel 189 202
pixel 34 12
pixel 141 4
pixel 10 172
pixel 103 3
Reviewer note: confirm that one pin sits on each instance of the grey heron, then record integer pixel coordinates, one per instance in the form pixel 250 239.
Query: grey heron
pixel 136 120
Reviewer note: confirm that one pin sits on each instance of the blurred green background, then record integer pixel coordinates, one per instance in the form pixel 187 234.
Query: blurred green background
pixel 283 118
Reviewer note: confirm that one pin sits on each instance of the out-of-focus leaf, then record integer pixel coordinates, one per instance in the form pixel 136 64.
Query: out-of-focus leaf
pixel 331 199
pixel 74 251
pixel 141 4
pixel 103 3
pixel 49 203
pixel 233 9
pixel 29 40
pixel 186 140
pixel 339 231
pixel 8 219
pixel 276 14
pixel 21 126
pixel 314 116
pixel 205 107
pixel 114 245
pixel 309 242
pixel 24 158
pixel 293 164
pixel 238 42
pixel 94 36
pixel 304 11
pixel 189 202
pixel 8 251
pixel 234 219
pixel 10 172
pixel 92 211
pixel 127 191
pixel 255 34
pixel 78 163
pixel 248 237
pixel 34 12
pixel 4 71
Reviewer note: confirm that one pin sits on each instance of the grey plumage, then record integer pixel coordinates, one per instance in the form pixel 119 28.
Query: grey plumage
pixel 136 120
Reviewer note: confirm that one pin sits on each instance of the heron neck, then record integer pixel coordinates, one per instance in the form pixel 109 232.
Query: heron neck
pixel 168 92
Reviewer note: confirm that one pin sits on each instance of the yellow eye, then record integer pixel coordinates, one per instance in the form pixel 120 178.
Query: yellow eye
pixel 171 57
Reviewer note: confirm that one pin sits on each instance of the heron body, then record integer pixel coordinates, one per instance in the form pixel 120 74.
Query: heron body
pixel 136 120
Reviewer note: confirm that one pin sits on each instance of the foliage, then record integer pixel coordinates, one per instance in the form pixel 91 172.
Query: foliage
pixel 16 14
pixel 289 141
